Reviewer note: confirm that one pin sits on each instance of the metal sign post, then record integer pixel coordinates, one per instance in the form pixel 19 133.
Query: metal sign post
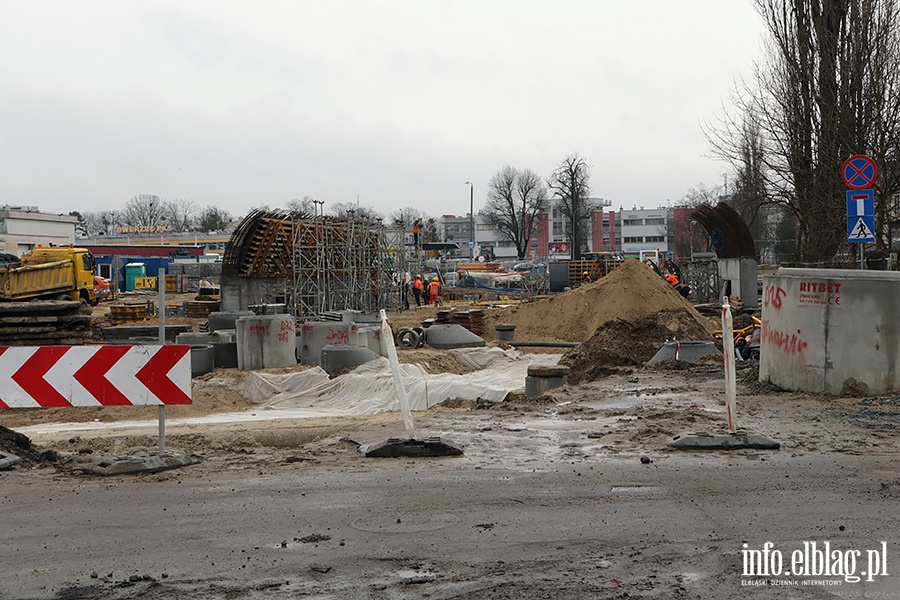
pixel 161 312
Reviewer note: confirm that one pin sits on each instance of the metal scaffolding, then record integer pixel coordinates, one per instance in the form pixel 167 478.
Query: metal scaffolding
pixel 314 264
pixel 318 264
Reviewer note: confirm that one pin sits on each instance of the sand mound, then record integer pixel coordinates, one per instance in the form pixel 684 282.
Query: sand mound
pixel 622 343
pixel 630 292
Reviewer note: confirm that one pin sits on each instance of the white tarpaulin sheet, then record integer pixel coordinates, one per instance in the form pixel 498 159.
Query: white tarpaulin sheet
pixel 368 389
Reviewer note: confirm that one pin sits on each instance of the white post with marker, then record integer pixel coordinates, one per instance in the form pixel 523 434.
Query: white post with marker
pixel 387 345
pixel 728 351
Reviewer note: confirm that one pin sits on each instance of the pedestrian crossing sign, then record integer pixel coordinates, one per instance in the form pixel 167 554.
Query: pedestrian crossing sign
pixel 861 229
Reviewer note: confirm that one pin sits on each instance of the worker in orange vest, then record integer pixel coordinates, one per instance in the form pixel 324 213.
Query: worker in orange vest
pixel 434 290
pixel 418 289
pixel 682 288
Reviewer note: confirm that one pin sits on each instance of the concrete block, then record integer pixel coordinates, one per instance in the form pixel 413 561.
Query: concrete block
pixel 8 461
pixel 150 462
pixel 225 355
pixel 823 327
pixel 723 441
pixel 226 319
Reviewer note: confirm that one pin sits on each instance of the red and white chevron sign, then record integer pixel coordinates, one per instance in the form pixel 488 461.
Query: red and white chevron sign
pixel 47 376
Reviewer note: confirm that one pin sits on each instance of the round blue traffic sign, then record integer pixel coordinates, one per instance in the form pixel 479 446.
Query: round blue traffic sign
pixel 859 172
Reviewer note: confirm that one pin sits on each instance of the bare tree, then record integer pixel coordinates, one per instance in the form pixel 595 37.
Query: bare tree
pixel 364 214
pixel 101 223
pixel 514 200
pixel 181 214
pixel 828 88
pixel 404 217
pixel 570 183
pixel 304 206
pixel 144 210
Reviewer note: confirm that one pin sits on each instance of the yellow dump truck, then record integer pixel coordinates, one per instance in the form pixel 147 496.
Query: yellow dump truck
pixel 54 272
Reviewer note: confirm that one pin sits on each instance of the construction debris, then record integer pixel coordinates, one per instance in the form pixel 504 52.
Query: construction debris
pixel 629 344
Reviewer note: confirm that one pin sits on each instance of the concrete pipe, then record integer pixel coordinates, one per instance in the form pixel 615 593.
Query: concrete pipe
pixel 421 332
pixel 407 339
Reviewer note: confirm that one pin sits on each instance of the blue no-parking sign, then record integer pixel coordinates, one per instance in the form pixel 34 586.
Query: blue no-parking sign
pixel 859 173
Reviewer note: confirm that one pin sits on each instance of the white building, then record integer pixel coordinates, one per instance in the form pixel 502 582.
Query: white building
pixel 645 229
pixel 24 227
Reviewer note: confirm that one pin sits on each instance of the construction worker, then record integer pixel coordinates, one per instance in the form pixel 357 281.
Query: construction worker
pixel 418 289
pixel 434 290
pixel 586 277
pixel 404 293
pixel 682 288
pixel 417 231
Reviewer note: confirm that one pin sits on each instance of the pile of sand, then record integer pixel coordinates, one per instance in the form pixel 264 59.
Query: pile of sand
pixel 621 343
pixel 630 292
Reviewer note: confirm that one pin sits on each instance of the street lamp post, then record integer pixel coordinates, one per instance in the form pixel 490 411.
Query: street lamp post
pixel 471 220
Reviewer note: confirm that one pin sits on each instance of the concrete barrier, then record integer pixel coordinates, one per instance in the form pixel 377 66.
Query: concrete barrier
pixel 824 328
pixel 265 342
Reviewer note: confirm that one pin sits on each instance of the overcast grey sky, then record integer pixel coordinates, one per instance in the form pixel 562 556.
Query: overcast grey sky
pixel 395 103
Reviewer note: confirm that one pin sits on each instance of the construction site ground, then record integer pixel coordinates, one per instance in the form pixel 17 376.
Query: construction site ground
pixel 574 494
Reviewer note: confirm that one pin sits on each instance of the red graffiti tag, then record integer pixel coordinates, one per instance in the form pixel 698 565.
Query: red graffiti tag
pixel 789 343
pixel 340 335
pixel 773 296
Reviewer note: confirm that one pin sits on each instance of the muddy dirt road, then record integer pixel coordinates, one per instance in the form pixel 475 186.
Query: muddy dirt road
pixel 551 500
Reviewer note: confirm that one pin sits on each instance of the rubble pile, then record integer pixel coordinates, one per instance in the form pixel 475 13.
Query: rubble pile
pixel 622 343
pixel 17 444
